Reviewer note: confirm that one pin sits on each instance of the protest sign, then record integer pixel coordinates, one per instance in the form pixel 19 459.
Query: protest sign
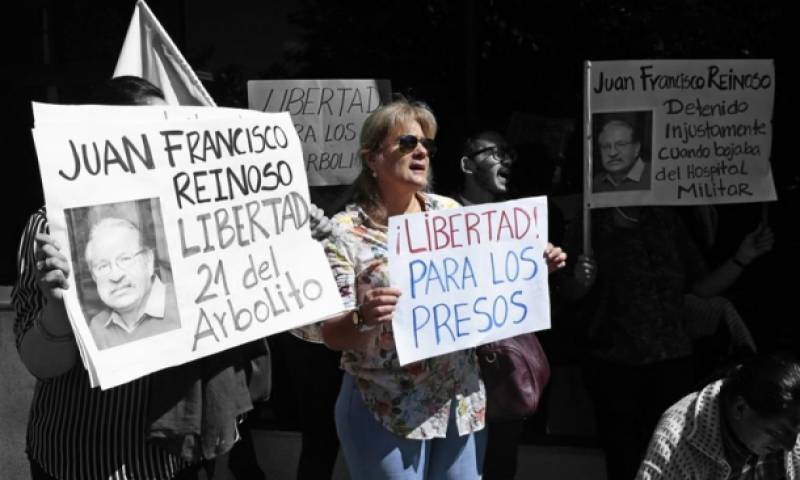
pixel 51 113
pixel 328 115
pixel 469 276
pixel 185 237
pixel 679 132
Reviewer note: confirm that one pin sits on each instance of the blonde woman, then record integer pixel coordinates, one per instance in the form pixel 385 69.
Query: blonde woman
pixel 424 420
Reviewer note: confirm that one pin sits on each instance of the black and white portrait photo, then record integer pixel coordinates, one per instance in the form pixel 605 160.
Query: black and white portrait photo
pixel 122 271
pixel 622 147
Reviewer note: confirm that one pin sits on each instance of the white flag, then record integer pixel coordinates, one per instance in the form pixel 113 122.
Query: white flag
pixel 148 52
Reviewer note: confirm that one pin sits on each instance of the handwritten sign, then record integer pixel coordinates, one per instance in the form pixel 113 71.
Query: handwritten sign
pixel 328 115
pixel 469 276
pixel 186 237
pixel 679 132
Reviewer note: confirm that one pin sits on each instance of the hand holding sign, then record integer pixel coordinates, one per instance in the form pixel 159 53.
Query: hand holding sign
pixel 320 224
pixel 585 271
pixel 378 304
pixel 555 257
pixel 52 267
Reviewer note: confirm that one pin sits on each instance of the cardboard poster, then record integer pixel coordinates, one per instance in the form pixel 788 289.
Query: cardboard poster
pixel 328 115
pixel 469 276
pixel 185 237
pixel 679 132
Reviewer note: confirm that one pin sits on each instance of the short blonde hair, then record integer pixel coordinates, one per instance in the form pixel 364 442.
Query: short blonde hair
pixel 374 131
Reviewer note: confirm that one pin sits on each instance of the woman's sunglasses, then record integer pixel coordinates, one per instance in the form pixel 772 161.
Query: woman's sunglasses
pixel 408 143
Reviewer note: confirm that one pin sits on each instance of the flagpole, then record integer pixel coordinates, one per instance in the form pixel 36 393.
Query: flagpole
pixel 587 161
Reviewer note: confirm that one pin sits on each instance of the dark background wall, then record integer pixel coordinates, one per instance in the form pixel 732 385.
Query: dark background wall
pixel 476 62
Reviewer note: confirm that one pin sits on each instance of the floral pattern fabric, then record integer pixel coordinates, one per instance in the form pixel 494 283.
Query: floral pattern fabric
pixel 412 401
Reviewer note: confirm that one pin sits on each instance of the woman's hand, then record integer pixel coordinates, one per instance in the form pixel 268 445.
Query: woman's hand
pixel 555 257
pixel 378 305
pixel 321 225
pixel 49 349
pixel 52 267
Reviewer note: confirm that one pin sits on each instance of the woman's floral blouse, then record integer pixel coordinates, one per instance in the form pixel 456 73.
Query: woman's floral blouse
pixel 413 401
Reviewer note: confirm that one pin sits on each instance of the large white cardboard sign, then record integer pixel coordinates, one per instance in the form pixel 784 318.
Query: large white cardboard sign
pixel 469 276
pixel 679 132
pixel 185 237
pixel 328 115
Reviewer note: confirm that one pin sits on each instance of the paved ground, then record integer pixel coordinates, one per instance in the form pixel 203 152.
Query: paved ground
pixel 15 397
pixel 277 451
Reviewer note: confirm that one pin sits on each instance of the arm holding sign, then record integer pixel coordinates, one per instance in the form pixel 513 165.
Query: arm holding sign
pixel 321 225
pixel 372 305
pixel 555 257
pixel 44 336
pixel 754 245
pixel 347 333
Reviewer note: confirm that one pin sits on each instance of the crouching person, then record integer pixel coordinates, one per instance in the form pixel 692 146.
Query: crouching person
pixel 743 427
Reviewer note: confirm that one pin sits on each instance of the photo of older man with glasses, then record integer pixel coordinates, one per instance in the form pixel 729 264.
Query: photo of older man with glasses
pixel 624 164
pixel 137 303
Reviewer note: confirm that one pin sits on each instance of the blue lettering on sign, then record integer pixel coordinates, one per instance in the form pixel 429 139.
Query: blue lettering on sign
pixel 443 323
pixel 457 275
pixel 495 281
pixel 460 319
pixel 521 306
pixel 454 321
pixel 526 259
pixel 418 326
pixel 485 314
pixel 512 269
pixel 512 266
pixel 505 310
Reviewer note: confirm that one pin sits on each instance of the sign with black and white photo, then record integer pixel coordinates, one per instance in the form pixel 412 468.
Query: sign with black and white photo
pixel 187 230
pixel 679 132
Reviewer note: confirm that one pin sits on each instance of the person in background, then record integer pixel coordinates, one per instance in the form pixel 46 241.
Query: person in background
pixel 76 432
pixel 493 172
pixel 745 426
pixel 486 160
pixel 638 357
pixel 136 430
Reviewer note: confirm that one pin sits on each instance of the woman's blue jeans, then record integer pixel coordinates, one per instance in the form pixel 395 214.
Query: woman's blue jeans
pixel 373 452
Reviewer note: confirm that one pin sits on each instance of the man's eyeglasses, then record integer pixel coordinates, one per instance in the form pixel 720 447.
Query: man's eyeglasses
pixel 606 147
pixel 497 152
pixel 408 143
pixel 124 262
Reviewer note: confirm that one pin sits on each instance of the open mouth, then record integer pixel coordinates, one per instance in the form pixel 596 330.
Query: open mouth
pixel 418 167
